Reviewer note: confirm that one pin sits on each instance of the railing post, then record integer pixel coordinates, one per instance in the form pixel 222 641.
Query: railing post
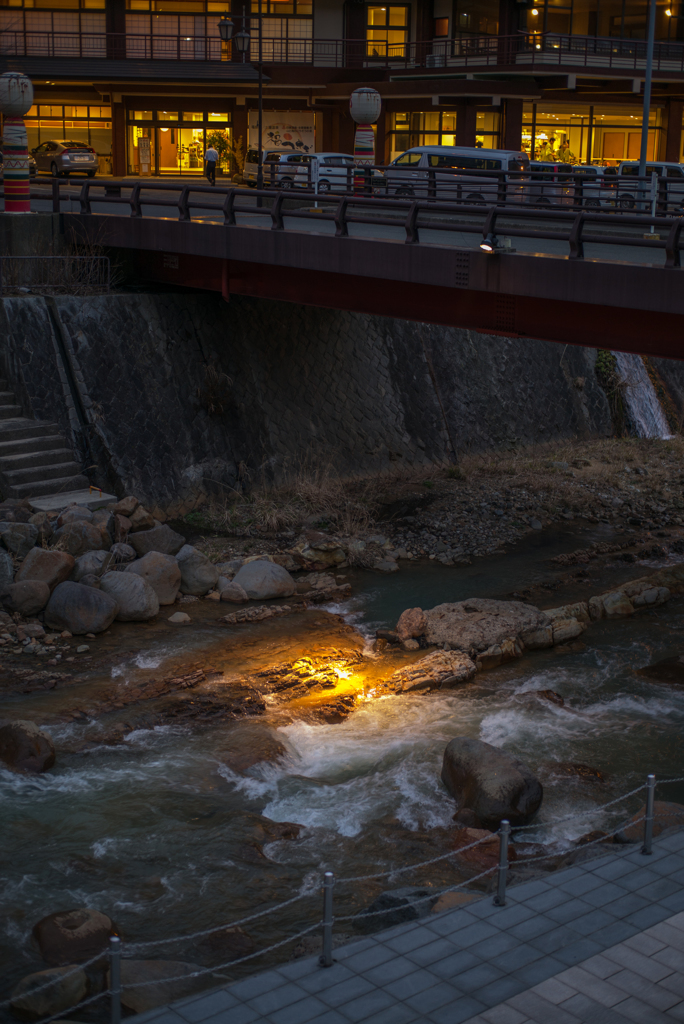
pixel 55 195
pixel 277 213
pixel 229 209
pixel 84 198
pixel 341 228
pixel 504 833
pixel 326 958
pixel 115 978
pixel 575 238
pixel 672 257
pixel 411 226
pixel 648 820
pixel 135 201
pixel 183 199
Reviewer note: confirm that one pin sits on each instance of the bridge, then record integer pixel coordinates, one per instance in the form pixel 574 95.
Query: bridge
pixel 607 279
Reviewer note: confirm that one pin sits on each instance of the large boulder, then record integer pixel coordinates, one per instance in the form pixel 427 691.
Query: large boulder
pixel 93 563
pixel 159 538
pixel 51 567
pixel 262 580
pixel 72 936
pixel 18 538
pixel 26 748
pixel 198 574
pixel 412 624
pixel 122 554
pixel 74 514
pixel 480 623
pixel 491 783
pixel 6 568
pixel 80 609
pixel 28 597
pixel 48 993
pixel 125 507
pixel 160 985
pixel 141 519
pixel 42 521
pixel 79 536
pixel 162 572
pixel 231 592
pixel 135 597
pixel 439 670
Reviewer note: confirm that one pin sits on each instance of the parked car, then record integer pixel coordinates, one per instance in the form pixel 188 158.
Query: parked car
pixel 409 174
pixel 670 192
pixel 60 158
pixel 32 164
pixel 598 185
pixel 328 172
pixel 269 157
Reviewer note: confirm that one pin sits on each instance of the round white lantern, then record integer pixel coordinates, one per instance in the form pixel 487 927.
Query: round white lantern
pixel 16 94
pixel 365 105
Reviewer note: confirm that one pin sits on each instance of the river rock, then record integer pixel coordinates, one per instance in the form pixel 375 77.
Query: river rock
pixel 80 609
pixel 141 519
pixel 72 936
pixel 159 538
pixel 198 574
pixel 124 507
pixel 666 815
pixel 162 572
pixel 18 538
pixel 480 623
pixel 93 563
pixel 436 671
pixel 567 629
pixel 232 592
pixel 122 554
pixel 499 654
pixel 90 580
pixel 51 567
pixel 229 944
pixel 264 580
pixel 25 747
pixel 73 514
pixel 399 905
pixel 28 597
pixel 412 624
pixel 484 856
pixel 135 597
pixel 180 619
pixel 163 989
pixel 6 568
pixel 78 537
pixel 45 532
pixel 68 986
pixel 579 611
pixel 493 784
pixel 104 522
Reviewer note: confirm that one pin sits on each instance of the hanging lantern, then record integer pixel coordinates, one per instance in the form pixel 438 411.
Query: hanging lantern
pixel 16 99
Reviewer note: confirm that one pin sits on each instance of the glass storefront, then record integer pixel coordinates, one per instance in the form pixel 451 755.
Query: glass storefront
pixel 597 135
pixel 438 128
pixel 177 141
pixel 81 123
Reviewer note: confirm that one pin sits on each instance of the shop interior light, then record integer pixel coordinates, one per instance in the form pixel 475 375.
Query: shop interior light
pixel 535 12
pixel 490 244
pixel 668 13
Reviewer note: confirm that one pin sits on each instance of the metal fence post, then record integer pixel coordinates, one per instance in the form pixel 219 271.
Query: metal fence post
pixel 504 833
pixel 115 978
pixel 55 195
pixel 326 958
pixel 648 820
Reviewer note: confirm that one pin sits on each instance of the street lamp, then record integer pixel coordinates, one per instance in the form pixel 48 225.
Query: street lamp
pixel 225 27
pixel 241 41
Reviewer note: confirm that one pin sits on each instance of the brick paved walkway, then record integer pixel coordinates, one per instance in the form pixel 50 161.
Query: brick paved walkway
pixel 598 943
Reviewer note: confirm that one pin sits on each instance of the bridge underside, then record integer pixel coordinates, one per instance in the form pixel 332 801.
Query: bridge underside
pixel 597 303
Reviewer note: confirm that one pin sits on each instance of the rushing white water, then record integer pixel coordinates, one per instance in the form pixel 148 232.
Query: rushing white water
pixel 643 406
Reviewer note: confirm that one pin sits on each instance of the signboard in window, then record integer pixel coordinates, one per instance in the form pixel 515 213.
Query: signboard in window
pixel 284 129
pixel 144 158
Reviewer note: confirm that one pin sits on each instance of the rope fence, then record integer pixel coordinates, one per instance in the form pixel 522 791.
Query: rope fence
pixel 326 923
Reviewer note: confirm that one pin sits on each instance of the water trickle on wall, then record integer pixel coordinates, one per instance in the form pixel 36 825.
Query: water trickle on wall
pixel 643 408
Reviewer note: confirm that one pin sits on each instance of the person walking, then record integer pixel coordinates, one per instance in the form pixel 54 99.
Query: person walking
pixel 210 160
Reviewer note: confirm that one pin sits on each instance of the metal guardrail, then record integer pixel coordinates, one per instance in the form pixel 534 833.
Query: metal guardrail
pixel 569 224
pixel 72 274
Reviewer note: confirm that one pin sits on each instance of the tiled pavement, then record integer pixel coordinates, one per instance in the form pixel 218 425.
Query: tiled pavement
pixel 598 943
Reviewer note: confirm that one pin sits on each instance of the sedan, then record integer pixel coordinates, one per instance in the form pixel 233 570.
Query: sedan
pixel 32 164
pixel 62 158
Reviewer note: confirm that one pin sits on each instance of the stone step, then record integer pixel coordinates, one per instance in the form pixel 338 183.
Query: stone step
pixel 67 469
pixel 90 497
pixel 20 428
pixel 9 412
pixel 33 443
pixel 56 456
pixel 6 397
pixel 59 485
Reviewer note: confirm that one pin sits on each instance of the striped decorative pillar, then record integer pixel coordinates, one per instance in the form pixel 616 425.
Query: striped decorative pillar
pixel 364 107
pixel 16 166
pixel 16 99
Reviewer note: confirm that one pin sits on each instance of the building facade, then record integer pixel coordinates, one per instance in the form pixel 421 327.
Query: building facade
pixel 149 83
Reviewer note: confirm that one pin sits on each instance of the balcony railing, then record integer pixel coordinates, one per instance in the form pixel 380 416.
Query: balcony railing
pixel 527 49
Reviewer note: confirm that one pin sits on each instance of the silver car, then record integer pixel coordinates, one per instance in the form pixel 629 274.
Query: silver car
pixel 60 158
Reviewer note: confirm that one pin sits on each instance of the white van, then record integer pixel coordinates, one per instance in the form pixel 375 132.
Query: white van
pixel 321 172
pixel 410 174
pixel 269 158
pixel 629 194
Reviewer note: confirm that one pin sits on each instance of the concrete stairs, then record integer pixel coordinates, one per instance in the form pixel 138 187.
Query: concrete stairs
pixel 34 456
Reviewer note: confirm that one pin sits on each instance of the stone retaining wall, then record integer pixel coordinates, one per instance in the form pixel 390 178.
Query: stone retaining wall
pixel 366 394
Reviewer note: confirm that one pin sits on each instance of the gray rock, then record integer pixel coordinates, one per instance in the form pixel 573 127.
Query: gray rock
pixel 480 623
pixel 198 574
pixel 160 981
pixel 51 567
pixel 28 597
pixel 104 522
pixel 122 554
pixel 67 988
pixel 90 581
pixel 79 536
pixel 162 572
pixel 263 580
pixel 229 569
pixel 159 538
pixel 72 936
pixel 26 748
pixel 93 563
pixel 232 592
pixel 397 907
pixel 45 531
pixel 179 618
pixel 74 514
pixel 6 568
pixel 491 783
pixel 80 609
pixel 18 538
pixel 135 597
